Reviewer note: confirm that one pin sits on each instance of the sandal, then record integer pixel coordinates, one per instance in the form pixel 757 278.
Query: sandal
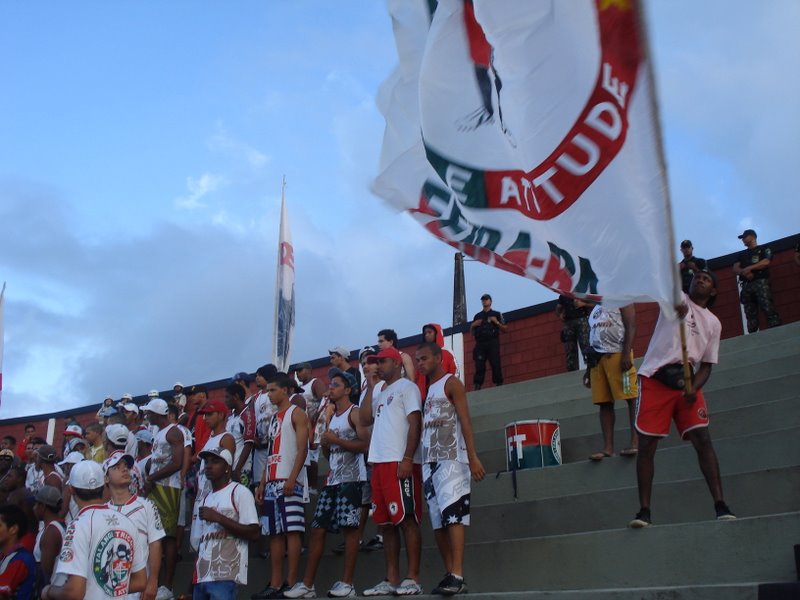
pixel 630 452
pixel 598 456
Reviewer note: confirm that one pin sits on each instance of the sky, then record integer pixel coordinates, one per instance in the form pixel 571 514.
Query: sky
pixel 142 146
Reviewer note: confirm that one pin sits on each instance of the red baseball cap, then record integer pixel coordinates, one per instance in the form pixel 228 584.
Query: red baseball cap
pixel 213 406
pixel 390 352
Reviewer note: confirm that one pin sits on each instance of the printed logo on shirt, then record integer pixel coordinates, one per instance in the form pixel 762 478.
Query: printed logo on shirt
pixel 392 508
pixel 112 561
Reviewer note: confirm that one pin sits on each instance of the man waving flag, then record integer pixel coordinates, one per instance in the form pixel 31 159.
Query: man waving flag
pixel 524 133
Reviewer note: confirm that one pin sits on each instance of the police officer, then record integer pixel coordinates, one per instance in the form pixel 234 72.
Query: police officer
pixel 752 268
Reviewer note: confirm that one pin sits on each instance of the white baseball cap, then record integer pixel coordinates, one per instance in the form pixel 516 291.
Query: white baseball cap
pixel 73 430
pixel 152 394
pixel 73 458
pixel 87 475
pixel 222 453
pixel 130 407
pixel 117 434
pixel 127 397
pixel 156 405
pixel 115 458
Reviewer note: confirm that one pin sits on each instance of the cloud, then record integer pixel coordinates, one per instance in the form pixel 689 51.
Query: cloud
pixel 198 188
pixel 224 142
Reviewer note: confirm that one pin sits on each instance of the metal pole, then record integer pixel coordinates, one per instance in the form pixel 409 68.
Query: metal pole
pixel 459 293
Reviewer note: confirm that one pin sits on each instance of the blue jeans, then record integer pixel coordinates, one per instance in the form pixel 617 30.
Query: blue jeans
pixel 215 590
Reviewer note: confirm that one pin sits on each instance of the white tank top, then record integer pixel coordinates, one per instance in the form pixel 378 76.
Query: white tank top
pixel 283 447
pixel 441 430
pixel 345 466
pixel 312 403
pixel 37 548
pixel 162 456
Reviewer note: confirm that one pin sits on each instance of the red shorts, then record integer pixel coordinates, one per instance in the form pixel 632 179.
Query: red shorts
pixel 395 499
pixel 659 404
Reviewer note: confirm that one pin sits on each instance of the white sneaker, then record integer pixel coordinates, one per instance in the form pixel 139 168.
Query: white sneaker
pixel 164 593
pixel 384 588
pixel 341 589
pixel 408 587
pixel 300 590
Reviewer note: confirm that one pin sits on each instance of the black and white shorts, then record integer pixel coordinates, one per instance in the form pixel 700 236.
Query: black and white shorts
pixel 446 486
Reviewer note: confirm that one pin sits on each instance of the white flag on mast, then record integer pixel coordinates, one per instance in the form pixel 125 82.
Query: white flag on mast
pixel 524 133
pixel 284 293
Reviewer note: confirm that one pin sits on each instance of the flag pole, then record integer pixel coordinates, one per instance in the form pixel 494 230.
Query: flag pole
pixel 676 281
pixel 276 316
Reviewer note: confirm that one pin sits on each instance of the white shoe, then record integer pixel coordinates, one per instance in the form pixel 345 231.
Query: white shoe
pixel 300 590
pixel 341 589
pixel 384 588
pixel 164 593
pixel 408 587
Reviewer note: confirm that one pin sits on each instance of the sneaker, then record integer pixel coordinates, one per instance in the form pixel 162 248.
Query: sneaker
pixel 723 512
pixel 641 520
pixel 374 544
pixel 341 589
pixel 300 590
pixel 408 587
pixel 452 585
pixel 438 589
pixel 269 592
pixel 164 593
pixel 384 588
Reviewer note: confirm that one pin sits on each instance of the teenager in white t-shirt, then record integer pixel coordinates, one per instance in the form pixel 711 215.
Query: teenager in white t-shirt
pixel 226 520
pixel 663 398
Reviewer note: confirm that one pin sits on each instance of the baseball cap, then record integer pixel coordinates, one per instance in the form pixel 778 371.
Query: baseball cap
pixel 6 453
pixel 157 406
pixel 108 397
pixel 47 453
pixel 687 244
pixel 196 389
pixel 213 406
pixel 240 376
pixel 746 233
pixel 86 475
pixel 74 443
pixel 366 350
pixel 117 434
pixel 73 458
pixel 127 397
pixel 178 384
pixel 486 297
pixel 301 366
pixel 348 377
pixel 152 394
pixel 73 430
pixel 130 407
pixel 341 351
pixel 222 453
pixel 704 269
pixel 114 460
pixel 390 352
pixel 49 496
pixel 144 435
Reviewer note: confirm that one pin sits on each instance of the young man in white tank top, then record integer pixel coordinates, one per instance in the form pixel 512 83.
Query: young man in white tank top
pixel 314 390
pixel 448 460
pixel 339 504
pixel 283 488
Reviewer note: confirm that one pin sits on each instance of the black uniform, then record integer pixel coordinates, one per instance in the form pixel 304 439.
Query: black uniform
pixel 756 292
pixel 687 272
pixel 575 330
pixel 487 347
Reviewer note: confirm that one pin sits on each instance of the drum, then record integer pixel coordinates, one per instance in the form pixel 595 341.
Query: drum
pixel 533 444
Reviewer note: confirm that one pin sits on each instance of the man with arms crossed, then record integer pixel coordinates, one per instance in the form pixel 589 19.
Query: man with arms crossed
pixel 396 471
pixel 663 399
pixel 448 460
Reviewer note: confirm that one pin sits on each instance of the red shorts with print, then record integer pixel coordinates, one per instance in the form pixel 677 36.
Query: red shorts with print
pixel 659 404
pixel 395 499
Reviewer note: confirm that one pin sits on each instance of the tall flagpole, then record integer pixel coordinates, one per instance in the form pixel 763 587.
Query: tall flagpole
pixel 676 280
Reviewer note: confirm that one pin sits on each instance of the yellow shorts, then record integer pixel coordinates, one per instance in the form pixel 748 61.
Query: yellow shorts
pixel 606 380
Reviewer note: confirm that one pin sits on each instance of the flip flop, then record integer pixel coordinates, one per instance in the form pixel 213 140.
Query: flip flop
pixel 598 456
pixel 630 452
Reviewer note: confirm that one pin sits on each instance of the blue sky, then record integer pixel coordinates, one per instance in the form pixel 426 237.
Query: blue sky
pixel 142 147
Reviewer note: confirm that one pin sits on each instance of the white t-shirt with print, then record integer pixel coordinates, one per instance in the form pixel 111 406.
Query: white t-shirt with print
pixel 220 555
pixel 606 330
pixel 105 547
pixel 390 408
pixel 703 331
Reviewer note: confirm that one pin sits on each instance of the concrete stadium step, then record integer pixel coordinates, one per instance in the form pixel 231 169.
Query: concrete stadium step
pixel 619 558
pixel 749 494
pixel 740 454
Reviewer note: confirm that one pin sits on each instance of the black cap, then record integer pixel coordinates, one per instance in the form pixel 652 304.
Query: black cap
pixel 748 232
pixel 486 297
pixel 686 244
pixel 241 376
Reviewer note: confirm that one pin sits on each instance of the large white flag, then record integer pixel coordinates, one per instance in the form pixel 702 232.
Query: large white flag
pixel 284 294
pixel 524 133
pixel 2 336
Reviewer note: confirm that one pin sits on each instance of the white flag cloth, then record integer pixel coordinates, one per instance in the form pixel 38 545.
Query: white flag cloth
pixel 2 336
pixel 524 133
pixel 284 295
